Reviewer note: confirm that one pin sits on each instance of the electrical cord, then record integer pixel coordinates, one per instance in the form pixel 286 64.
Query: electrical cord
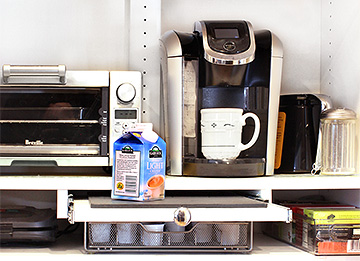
pixel 69 229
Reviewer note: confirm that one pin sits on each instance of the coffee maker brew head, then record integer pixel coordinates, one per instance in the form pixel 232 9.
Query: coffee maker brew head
pixel 226 42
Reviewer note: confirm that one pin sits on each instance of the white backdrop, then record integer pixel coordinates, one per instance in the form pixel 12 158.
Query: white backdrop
pixel 83 34
pixel 320 38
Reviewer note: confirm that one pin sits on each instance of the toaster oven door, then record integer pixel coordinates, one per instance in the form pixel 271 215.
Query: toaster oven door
pixel 53 121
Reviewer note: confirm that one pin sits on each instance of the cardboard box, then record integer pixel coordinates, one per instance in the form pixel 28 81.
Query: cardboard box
pixel 331 231
pixel 139 166
pixel 298 213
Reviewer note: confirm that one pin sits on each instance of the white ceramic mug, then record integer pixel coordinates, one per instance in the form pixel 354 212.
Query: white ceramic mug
pixel 221 132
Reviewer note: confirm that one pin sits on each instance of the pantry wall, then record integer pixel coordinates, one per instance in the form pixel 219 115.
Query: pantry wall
pixel 320 40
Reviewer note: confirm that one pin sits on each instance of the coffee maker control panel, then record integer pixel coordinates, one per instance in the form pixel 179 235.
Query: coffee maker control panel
pixel 227 43
pixel 229 39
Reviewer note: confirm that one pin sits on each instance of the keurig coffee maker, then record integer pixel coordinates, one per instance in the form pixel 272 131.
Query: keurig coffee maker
pixel 221 88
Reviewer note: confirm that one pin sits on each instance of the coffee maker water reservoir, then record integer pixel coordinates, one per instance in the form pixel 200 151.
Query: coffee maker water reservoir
pixel 222 65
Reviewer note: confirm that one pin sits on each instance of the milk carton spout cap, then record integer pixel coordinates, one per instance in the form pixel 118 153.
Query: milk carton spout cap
pixel 150 135
pixel 147 132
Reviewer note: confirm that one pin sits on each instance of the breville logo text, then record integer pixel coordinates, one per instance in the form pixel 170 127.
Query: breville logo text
pixel 34 143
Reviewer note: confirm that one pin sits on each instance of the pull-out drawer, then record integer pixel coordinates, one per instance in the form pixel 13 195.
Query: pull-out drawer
pixel 201 209
pixel 204 224
pixel 225 237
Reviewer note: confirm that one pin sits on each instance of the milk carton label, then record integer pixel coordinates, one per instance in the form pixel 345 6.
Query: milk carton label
pixel 127 171
pixel 139 167
pixel 155 152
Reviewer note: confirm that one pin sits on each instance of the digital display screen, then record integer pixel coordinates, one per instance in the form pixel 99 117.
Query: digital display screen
pixel 125 114
pixel 228 33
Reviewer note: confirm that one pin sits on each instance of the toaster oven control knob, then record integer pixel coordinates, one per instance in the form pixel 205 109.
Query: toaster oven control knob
pixel 182 216
pixel 126 92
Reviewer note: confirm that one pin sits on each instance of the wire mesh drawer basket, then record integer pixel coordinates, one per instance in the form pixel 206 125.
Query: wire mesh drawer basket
pixel 230 237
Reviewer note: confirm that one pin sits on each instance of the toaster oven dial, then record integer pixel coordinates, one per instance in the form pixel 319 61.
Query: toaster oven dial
pixel 126 92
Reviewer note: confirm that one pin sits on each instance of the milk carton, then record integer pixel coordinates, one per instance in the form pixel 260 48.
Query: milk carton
pixel 139 166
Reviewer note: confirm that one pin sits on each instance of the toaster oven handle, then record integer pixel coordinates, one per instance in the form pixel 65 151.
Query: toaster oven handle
pixel 42 74
pixel 37 163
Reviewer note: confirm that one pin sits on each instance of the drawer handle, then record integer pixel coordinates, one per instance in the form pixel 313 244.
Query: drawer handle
pixel 182 216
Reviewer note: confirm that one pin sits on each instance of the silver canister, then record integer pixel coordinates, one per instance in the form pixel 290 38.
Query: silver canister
pixel 337 152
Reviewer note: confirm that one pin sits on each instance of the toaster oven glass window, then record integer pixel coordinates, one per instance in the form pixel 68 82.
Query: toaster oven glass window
pixel 53 118
pixel 50 104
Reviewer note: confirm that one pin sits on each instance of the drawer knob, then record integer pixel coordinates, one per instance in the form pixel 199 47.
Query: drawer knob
pixel 182 216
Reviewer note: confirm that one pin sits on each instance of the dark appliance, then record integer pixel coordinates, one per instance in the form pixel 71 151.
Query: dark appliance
pixel 24 224
pixel 299 114
pixel 222 64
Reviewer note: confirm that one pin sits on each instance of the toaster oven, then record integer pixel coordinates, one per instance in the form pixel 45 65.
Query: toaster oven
pixel 53 117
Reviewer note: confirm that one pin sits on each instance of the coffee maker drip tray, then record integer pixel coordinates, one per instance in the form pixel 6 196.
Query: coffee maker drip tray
pixel 243 167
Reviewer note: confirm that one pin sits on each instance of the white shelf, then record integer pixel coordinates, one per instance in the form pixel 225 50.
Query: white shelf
pixel 72 247
pixel 26 182
pixel 276 182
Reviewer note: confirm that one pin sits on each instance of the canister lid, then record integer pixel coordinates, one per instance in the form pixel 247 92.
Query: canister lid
pixel 338 114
